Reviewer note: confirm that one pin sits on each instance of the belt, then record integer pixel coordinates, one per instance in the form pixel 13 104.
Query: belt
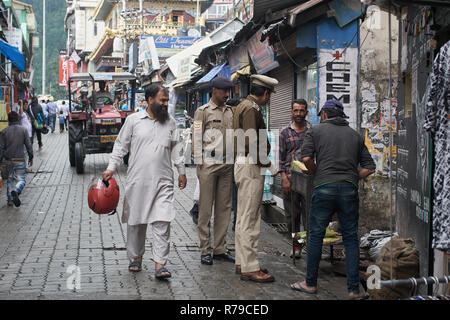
pixel 15 159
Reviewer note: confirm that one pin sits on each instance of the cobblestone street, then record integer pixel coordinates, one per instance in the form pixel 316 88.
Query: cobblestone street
pixel 54 230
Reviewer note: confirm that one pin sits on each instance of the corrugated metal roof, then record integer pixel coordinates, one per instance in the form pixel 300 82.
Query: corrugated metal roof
pixel 262 6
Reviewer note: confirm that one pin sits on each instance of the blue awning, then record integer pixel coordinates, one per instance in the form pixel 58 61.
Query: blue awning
pixel 211 74
pixel 13 54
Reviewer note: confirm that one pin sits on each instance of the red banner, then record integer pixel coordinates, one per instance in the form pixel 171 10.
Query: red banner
pixel 67 67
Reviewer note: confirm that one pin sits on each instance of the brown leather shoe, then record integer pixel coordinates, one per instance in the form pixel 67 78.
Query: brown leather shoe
pixel 238 270
pixel 257 276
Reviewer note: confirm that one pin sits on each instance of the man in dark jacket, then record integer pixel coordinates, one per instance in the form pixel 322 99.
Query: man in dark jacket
pixel 38 115
pixel 12 141
pixel 341 159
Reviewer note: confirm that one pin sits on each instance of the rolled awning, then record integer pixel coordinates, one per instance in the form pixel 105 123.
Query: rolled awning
pixel 13 54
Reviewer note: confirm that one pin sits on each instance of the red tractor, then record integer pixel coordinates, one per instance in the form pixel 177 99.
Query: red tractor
pixel 95 115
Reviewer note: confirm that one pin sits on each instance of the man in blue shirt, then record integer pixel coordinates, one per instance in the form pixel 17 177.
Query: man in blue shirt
pixel 52 111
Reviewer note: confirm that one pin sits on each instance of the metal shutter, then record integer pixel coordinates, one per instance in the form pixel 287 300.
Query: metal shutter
pixel 280 107
pixel 280 101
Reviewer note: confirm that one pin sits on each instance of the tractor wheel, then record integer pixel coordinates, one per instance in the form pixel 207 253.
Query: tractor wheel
pixel 75 135
pixel 79 158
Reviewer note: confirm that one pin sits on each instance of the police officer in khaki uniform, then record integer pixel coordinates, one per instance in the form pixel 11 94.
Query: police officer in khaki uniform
pixel 251 163
pixel 215 176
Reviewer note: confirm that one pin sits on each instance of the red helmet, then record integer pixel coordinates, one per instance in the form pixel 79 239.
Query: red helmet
pixel 103 196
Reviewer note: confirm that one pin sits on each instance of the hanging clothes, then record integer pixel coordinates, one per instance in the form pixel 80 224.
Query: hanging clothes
pixel 437 122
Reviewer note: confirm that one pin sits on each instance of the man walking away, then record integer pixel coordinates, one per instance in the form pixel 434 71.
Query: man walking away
pixel 215 176
pixel 342 159
pixel 38 115
pixel 151 137
pixel 291 141
pixel 45 110
pixel 12 141
pixel 52 111
pixel 250 179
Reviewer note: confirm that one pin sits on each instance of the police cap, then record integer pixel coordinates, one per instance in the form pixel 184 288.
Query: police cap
pixel 222 83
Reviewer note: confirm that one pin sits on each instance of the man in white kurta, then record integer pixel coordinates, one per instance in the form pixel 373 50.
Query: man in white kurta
pixel 149 191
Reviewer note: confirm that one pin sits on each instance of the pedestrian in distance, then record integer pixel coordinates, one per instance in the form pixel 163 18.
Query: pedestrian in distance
pixel 52 112
pixel 150 136
pixel 61 119
pixel 65 109
pixel 341 160
pixel 26 120
pixel 45 110
pixel 249 171
pixel 12 142
pixel 39 121
pixel 290 146
pixel 214 175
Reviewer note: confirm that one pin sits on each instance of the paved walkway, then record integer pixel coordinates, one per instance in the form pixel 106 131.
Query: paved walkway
pixel 54 232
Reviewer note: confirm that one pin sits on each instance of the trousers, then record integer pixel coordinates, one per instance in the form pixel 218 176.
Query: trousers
pixel 215 187
pixel 136 235
pixel 250 184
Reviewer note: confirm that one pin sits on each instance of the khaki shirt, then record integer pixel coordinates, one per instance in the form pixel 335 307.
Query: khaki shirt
pixel 248 116
pixel 210 125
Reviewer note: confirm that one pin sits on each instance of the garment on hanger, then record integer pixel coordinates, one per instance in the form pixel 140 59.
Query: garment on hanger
pixel 437 122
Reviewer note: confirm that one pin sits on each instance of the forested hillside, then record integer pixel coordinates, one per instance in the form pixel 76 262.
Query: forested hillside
pixel 56 40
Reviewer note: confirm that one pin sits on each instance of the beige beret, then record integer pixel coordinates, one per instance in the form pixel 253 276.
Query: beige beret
pixel 264 81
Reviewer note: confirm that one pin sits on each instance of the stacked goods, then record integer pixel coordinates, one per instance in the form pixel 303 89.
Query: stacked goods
pixel 330 236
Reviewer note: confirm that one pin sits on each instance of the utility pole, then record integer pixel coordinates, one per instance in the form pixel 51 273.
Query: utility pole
pixel 141 11
pixel 124 8
pixel 198 17
pixel 43 53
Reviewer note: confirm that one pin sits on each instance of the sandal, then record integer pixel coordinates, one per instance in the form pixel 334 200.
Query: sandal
pixel 300 288
pixel 159 273
pixel 359 296
pixel 135 264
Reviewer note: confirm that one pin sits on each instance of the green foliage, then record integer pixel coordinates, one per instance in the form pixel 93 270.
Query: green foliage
pixel 55 41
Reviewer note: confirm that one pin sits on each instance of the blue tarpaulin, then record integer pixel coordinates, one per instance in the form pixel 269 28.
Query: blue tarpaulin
pixel 211 74
pixel 13 54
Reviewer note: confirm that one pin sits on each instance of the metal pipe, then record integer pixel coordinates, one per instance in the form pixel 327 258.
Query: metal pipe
pixel 410 282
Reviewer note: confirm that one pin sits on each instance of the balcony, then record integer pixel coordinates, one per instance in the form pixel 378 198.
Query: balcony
pixel 108 63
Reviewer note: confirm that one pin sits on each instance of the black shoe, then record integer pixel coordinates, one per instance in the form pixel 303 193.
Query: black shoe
pixel 194 213
pixel 16 199
pixel 224 256
pixel 207 259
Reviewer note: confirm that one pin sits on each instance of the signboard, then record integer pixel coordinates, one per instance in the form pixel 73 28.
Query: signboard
pixel 80 27
pixel 261 53
pixel 14 37
pixel 148 55
pixel 167 46
pixel 338 73
pixel 238 59
pixel 67 67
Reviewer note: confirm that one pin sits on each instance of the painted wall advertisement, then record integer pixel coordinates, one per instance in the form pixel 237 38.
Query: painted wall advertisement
pixel 67 67
pixel 338 71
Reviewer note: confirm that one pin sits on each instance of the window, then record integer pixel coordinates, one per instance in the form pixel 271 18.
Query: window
pixel 175 20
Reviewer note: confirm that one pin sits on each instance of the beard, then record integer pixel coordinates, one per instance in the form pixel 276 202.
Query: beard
pixel 298 119
pixel 160 112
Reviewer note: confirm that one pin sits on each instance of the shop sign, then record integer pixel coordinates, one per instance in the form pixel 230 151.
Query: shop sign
pixel 238 59
pixel 338 71
pixel 262 54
